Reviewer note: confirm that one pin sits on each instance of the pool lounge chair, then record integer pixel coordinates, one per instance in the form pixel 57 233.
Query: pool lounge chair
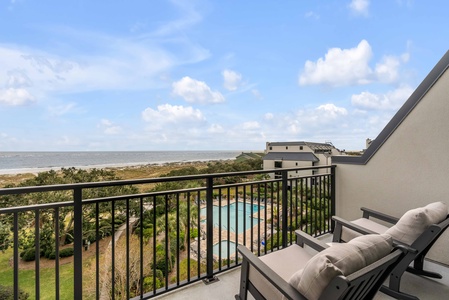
pixel 353 270
pixel 418 228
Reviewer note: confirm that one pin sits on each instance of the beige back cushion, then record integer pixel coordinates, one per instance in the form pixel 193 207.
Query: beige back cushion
pixel 415 221
pixel 339 259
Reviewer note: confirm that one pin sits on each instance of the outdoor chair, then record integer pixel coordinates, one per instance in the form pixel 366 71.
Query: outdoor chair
pixel 418 228
pixel 353 270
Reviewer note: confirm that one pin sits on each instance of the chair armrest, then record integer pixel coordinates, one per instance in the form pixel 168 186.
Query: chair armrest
pixel 303 238
pixel 367 213
pixel 345 223
pixel 340 223
pixel 284 287
pixel 404 248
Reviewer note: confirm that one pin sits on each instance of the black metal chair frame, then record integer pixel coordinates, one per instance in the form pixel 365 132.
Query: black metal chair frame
pixel 362 284
pixel 422 245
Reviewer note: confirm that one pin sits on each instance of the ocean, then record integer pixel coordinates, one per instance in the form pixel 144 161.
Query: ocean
pixel 33 162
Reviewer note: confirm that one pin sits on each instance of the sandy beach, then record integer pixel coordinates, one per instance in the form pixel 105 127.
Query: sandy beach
pixel 124 171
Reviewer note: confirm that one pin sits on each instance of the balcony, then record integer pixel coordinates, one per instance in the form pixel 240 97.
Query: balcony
pixel 423 288
pixel 170 243
pixel 142 245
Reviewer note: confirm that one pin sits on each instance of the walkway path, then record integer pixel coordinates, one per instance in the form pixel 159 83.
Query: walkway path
pixel 104 290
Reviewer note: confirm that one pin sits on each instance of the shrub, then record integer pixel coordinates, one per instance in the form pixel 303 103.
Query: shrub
pixel 7 293
pixel 66 252
pixel 148 284
pixel 29 255
pixel 193 233
pixel 52 255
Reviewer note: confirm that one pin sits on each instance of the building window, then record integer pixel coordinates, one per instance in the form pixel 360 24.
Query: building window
pixel 271 148
pixel 286 147
pixel 278 164
pixel 296 163
pixel 300 147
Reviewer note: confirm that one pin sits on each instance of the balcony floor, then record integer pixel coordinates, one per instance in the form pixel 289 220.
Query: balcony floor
pixel 228 286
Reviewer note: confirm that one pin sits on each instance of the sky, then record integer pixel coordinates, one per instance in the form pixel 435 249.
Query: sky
pixel 209 74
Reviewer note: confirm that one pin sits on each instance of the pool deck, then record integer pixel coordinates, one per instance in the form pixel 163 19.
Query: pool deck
pixel 240 238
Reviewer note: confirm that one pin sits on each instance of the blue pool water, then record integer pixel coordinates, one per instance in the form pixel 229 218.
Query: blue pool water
pixel 234 212
pixel 224 249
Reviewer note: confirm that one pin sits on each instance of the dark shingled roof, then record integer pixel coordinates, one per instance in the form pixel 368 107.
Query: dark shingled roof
pixel 292 156
pixel 312 145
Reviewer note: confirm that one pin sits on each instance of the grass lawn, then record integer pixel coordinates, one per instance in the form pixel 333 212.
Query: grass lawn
pixel 47 279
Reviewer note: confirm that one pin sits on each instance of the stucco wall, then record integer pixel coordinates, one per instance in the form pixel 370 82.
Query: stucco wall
pixel 409 170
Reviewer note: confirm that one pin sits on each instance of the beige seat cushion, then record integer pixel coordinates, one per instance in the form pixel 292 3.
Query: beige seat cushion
pixel 285 263
pixel 349 234
pixel 415 221
pixel 339 259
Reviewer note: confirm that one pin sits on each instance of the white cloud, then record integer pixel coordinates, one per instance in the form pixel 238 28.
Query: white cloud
pixel 250 125
pixel 331 111
pixel 340 67
pixel 215 128
pixel 195 91
pixel 15 97
pixel 389 101
pixel 129 66
pixel 63 109
pixel 68 141
pixel 232 80
pixel 109 127
pixel 359 7
pixel 312 14
pixel 190 16
pixel 268 116
pixel 387 69
pixel 168 113
pixel 256 93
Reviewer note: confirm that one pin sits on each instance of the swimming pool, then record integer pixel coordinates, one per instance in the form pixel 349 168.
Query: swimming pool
pixel 224 249
pixel 234 211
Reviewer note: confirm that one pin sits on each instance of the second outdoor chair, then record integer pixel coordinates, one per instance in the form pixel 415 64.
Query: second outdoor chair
pixel 418 228
pixel 353 270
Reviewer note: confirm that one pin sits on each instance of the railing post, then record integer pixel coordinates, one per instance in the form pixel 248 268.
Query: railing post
pixel 210 278
pixel 333 204
pixel 284 208
pixel 78 243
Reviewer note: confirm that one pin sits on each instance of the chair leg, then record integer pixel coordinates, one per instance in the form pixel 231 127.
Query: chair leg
pixel 418 269
pixel 394 284
pixel 243 292
pixel 397 294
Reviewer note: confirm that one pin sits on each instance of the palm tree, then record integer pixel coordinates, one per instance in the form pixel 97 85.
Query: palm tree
pixel 188 216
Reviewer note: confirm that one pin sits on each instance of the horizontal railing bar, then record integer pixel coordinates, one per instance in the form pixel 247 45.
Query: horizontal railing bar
pixel 35 206
pixel 124 197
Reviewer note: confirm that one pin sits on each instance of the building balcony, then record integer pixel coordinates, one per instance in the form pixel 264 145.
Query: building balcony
pixel 170 243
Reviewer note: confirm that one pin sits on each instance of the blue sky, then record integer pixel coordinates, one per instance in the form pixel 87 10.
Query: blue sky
pixel 209 75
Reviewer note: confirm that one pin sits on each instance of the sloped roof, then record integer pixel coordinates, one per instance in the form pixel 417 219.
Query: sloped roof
pixel 291 156
pixel 400 116
pixel 320 146
pixel 311 145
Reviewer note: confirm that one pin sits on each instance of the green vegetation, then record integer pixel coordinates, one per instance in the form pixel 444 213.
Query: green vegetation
pixel 167 226
pixel 7 293
pixel 27 277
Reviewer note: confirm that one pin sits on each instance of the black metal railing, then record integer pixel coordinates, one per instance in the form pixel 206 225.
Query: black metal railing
pixel 145 244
